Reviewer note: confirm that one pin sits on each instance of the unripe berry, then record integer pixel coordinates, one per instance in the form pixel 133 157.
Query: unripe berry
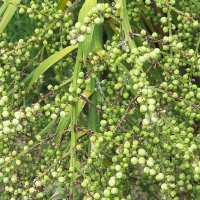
pixel 81 38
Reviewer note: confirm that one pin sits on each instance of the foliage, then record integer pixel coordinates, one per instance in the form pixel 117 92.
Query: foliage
pixel 103 95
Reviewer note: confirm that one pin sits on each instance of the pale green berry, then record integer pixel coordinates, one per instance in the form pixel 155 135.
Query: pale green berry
pixel 62 114
pixel 32 190
pixel 134 160
pixel 117 6
pixel 81 38
pixel 73 42
pixel 143 108
pixel 97 20
pixel 152 172
pixel 61 179
pixel 114 190
pixel 86 20
pixel 106 193
pixel 112 182
pixel 96 196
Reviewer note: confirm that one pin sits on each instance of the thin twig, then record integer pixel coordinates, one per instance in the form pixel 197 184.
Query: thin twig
pixel 87 100
pixel 75 2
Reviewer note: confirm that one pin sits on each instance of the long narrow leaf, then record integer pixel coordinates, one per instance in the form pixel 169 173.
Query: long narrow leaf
pixel 10 11
pixel 146 189
pixel 3 8
pixel 87 6
pixel 43 131
pixel 64 122
pixel 196 3
pixel 62 4
pixel 125 23
pixel 49 62
pixel 28 78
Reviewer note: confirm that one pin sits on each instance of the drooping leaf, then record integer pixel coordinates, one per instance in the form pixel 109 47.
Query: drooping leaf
pixel 196 3
pixel 8 14
pixel 64 122
pixel 3 8
pixel 81 133
pixel 57 192
pixel 146 189
pixel 62 4
pixel 44 131
pixel 107 163
pixel 28 78
pixel 125 23
pixel 87 6
pixel 49 62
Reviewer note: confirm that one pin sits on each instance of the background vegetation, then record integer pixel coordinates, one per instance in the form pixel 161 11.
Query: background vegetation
pixel 99 97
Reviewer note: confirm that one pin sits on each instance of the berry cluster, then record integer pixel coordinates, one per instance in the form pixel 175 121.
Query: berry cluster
pixel 120 112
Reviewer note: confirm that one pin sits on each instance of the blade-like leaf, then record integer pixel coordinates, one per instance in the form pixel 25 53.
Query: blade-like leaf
pixel 109 29
pixel 196 3
pixel 8 14
pixel 3 8
pixel 43 131
pixel 57 192
pixel 64 122
pixel 146 189
pixel 49 62
pixel 81 133
pixel 107 163
pixel 125 23
pixel 23 81
pixel 87 6
pixel 62 4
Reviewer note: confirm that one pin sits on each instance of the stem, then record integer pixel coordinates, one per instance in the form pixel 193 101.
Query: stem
pixel 197 48
pixel 159 149
pixel 169 24
pixel 125 23
pixel 94 117
pixel 74 115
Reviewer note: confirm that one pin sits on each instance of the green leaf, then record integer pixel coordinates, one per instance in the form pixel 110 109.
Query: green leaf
pixel 155 74
pixel 196 3
pixel 107 163
pixel 81 133
pixel 28 78
pixel 64 122
pixel 108 29
pixel 87 6
pixel 3 8
pixel 125 23
pixel 198 197
pixel 57 192
pixel 146 189
pixel 49 62
pixel 62 4
pixel 10 11
pixel 44 131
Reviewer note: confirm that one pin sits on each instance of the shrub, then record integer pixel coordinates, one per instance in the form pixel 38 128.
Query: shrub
pixel 103 97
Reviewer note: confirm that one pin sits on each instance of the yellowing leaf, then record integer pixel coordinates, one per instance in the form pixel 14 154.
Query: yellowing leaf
pixel 107 163
pixel 62 4
pixel 113 26
pixel 81 133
